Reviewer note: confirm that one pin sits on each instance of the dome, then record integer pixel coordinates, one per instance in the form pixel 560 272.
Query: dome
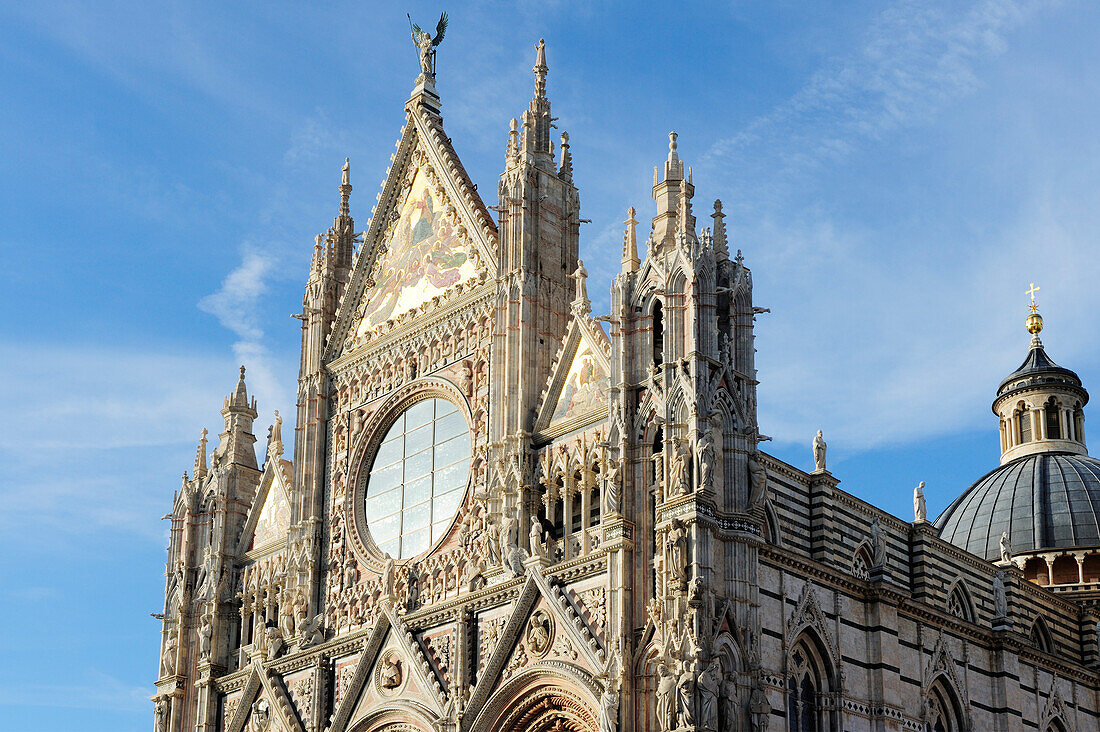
pixel 1044 501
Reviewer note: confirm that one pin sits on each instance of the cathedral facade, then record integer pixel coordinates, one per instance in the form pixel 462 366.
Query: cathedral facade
pixel 504 513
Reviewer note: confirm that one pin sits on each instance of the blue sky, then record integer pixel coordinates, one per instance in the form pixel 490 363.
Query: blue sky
pixel 896 173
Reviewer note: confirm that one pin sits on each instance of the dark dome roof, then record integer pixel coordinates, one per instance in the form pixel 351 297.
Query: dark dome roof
pixel 1037 368
pixel 1044 501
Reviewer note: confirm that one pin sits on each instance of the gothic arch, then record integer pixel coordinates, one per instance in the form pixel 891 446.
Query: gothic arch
pixel 811 685
pixel 960 603
pixel 862 562
pixel 399 715
pixel 549 696
pixel 943 710
pixel 1040 635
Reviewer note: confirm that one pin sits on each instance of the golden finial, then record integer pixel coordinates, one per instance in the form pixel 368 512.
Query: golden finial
pixel 1034 320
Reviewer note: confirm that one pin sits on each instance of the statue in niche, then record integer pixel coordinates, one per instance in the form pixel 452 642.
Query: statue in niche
pixel 389 567
pixel 611 488
pixel 412 587
pixel 537 540
pixel 389 674
pixel 758 480
pixel 539 632
pixel 260 716
pixel 681 469
pixel 1006 548
pixel 760 709
pixel 878 543
pixel 710 682
pixel 1000 596
pixel 728 704
pixel 168 657
pixel 920 508
pixel 677 551
pixel 275 643
pixel 351 574
pixel 609 709
pixel 819 452
pixel 206 634
pixel 685 697
pixel 161 716
pixel 707 458
pixel 666 691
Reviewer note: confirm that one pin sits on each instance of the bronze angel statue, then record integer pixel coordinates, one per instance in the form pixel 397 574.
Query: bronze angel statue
pixel 427 43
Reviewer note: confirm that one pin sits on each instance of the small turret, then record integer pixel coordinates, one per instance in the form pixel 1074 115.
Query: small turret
pixel 236 442
pixel 1040 403
pixel 668 192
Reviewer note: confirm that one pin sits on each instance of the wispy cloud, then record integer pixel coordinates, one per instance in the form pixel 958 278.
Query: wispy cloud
pixel 915 58
pixel 876 336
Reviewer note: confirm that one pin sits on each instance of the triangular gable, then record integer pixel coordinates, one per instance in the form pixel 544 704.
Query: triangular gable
pixel 262 684
pixel 269 518
pixel 429 236
pixel 578 391
pixel 389 639
pixel 568 632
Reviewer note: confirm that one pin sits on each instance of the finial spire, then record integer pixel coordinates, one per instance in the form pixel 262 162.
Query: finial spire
pixel 566 170
pixel 540 69
pixel 720 247
pixel 240 394
pixel 630 242
pixel 1034 320
pixel 200 456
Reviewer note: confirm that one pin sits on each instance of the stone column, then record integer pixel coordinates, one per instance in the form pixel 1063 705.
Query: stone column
pixel 1038 425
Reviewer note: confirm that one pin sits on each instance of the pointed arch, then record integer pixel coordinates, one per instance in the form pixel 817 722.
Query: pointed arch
pixel 810 685
pixel 943 710
pixel 862 562
pixel 960 603
pixel 1040 636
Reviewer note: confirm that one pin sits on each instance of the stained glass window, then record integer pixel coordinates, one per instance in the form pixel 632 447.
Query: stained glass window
pixel 418 478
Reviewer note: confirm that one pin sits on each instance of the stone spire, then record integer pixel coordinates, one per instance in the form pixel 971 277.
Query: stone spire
pixel 667 192
pixel 342 233
pixel 721 248
pixel 235 444
pixel 630 242
pixel 536 120
pixel 200 456
pixel 566 171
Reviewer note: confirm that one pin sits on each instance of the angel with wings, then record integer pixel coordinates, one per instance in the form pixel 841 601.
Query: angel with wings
pixel 427 43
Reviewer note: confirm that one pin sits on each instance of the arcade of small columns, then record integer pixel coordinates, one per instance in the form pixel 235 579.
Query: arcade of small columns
pixel 570 502
pixel 1044 421
pixel 1060 567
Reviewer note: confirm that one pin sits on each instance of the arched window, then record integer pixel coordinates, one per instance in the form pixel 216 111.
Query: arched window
pixel 1040 635
pixel 658 334
pixel 959 603
pixel 1052 414
pixel 943 711
pixel 861 564
pixel 808 678
pixel 1055 725
pixel 1023 423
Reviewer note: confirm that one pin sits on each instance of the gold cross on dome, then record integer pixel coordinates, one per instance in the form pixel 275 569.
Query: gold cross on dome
pixel 1032 292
